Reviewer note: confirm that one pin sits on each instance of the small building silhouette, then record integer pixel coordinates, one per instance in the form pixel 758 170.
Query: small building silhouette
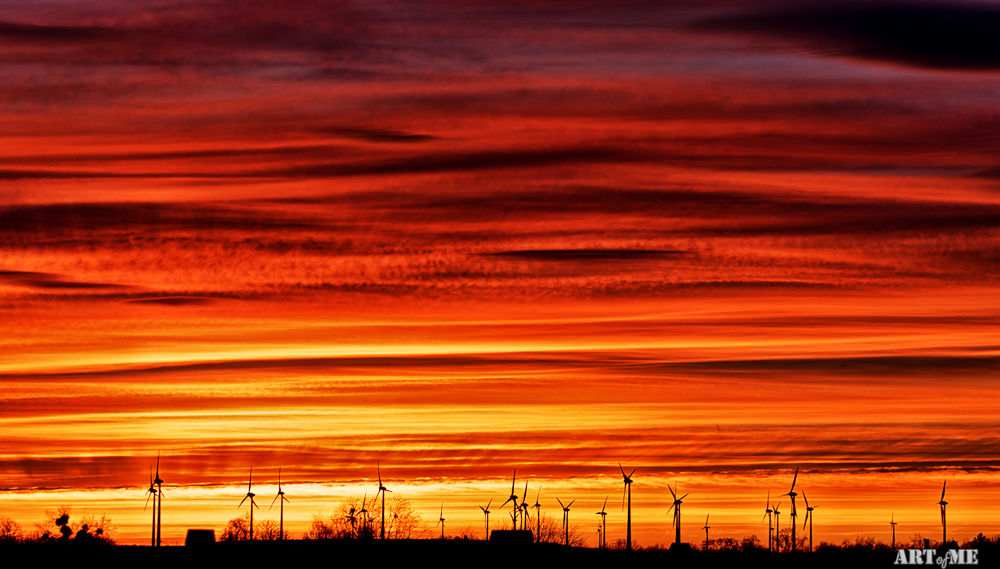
pixel 199 537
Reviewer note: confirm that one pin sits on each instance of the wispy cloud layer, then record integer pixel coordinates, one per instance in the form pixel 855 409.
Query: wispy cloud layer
pixel 710 239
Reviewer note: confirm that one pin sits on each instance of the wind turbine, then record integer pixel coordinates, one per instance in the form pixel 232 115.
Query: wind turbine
pixel 441 521
pixel 486 511
pixel 565 517
pixel 159 507
pixel 808 520
pixel 628 489
pixel 676 507
pixel 151 493
pixel 604 522
pixel 281 507
pixel 893 525
pixel 538 515
pixel 706 528
pixel 942 503
pixel 524 508
pixel 767 514
pixel 252 502
pixel 513 498
pixel 792 493
pixel 383 490
pixel 777 528
pixel 353 519
pixel 365 518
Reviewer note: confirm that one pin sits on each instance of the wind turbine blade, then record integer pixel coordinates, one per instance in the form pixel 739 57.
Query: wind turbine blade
pixel 622 469
pixel 241 502
pixel 148 496
pixel 251 479
pixel 570 504
pixel 671 507
pixel 943 486
pixel 685 495
pixel 513 481
pixel 672 492
pixel 505 503
pixel 792 489
pixel 157 464
pixel 488 503
pixel 286 499
pixel 273 501
pixel 633 472
pixel 625 489
pixel 605 503
pixel 765 517
pixel 768 505
pixel 560 503
pixel 806 499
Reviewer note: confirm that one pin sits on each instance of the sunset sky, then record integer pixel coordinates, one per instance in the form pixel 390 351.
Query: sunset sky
pixel 715 241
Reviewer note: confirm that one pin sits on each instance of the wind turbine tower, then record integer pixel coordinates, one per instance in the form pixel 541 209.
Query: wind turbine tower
pixel 602 530
pixel 151 493
pixel 513 498
pixel 383 490
pixel 524 508
pixel 808 520
pixel 792 494
pixel 627 490
pixel 706 528
pixel 777 528
pixel 281 508
pixel 158 507
pixel 441 521
pixel 942 503
pixel 676 507
pixel 767 514
pixel 893 525
pixel 565 517
pixel 538 515
pixel 486 511
pixel 250 495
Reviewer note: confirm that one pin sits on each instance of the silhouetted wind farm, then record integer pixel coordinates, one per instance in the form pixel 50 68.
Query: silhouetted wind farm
pixel 357 521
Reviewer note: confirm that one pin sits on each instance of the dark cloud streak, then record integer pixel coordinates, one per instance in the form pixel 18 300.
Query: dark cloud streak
pixel 930 35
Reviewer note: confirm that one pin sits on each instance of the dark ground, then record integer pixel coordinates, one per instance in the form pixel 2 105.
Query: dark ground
pixel 414 553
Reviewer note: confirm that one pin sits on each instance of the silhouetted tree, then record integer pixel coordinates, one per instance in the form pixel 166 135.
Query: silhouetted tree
pixel 10 531
pixel 401 520
pixel 750 543
pixel 322 527
pixel 237 529
pixel 267 530
pixel 620 544
pixel 918 541
pixel 785 541
pixel 553 532
pixel 88 529
pixel 726 544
